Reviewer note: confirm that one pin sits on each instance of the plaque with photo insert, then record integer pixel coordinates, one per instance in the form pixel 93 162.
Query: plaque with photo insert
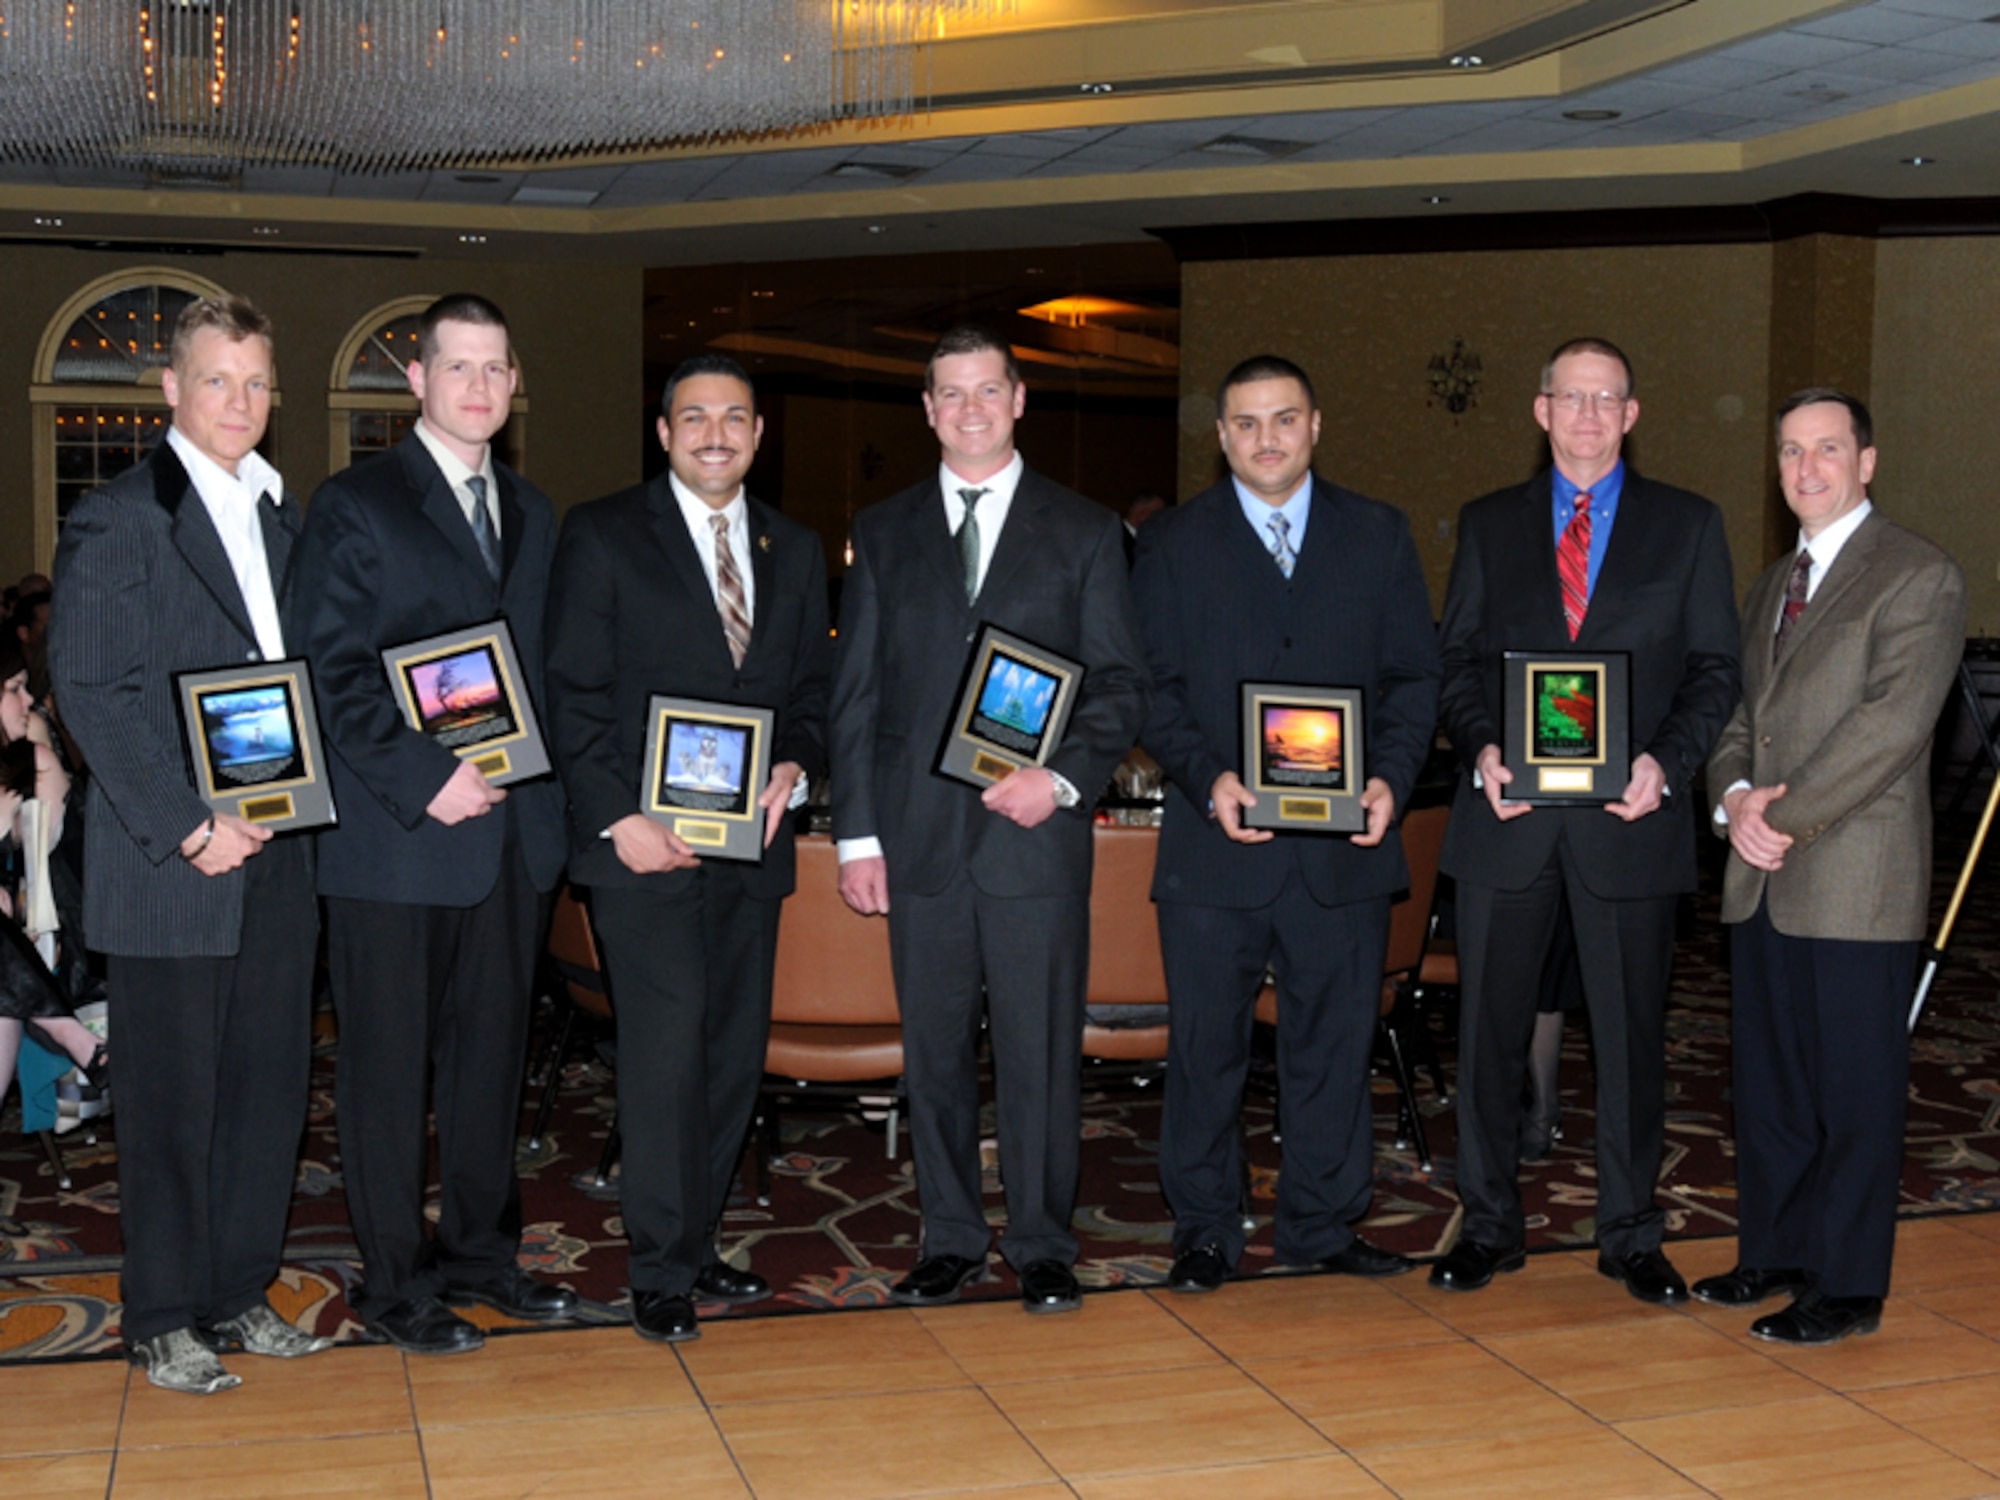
pixel 1303 757
pixel 1012 709
pixel 465 690
pixel 252 733
pixel 1568 724
pixel 705 766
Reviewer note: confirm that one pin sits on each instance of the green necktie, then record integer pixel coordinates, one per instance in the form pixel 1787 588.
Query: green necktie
pixel 968 543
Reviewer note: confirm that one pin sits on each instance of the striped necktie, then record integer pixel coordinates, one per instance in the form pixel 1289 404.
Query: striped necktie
pixel 1573 565
pixel 730 602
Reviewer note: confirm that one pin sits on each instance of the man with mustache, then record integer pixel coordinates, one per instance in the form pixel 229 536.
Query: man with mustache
pixel 1276 575
pixel 689 586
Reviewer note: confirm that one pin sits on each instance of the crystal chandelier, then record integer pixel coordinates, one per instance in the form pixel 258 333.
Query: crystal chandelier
pixel 205 87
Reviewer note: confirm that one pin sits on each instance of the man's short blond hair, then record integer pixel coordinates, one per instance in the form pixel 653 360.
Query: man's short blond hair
pixel 235 318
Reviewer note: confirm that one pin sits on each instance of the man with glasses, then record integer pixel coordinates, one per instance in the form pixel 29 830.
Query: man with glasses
pixel 1588 556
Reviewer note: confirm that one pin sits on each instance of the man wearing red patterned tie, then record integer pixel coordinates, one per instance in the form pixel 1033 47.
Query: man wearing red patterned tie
pixel 1593 557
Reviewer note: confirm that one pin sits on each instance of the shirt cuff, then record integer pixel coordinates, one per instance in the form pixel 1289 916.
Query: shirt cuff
pixel 850 850
pixel 1722 812
pixel 1066 793
pixel 801 789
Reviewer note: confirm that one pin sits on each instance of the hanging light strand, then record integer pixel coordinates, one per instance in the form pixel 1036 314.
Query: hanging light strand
pixel 214 86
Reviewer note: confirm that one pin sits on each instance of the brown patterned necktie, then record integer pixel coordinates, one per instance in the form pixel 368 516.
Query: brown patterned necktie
pixel 729 600
pixel 1795 601
pixel 1573 565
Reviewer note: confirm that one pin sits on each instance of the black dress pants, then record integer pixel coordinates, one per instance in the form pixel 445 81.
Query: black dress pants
pixel 213 1059
pixel 690 967
pixel 1819 1071
pixel 433 1006
pixel 1328 964
pixel 1024 961
pixel 1625 950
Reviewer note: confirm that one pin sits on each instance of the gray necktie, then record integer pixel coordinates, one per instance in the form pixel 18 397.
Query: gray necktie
pixel 968 543
pixel 1281 545
pixel 482 526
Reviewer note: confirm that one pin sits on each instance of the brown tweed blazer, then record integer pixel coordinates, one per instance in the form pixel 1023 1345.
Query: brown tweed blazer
pixel 1844 720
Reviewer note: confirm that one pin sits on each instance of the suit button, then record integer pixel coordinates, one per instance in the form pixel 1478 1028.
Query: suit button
pixel 1288 643
pixel 1765 741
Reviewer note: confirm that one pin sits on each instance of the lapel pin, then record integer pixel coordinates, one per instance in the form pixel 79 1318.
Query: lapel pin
pixel 763 544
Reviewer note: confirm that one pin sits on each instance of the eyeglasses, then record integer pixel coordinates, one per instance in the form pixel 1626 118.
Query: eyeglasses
pixel 1576 401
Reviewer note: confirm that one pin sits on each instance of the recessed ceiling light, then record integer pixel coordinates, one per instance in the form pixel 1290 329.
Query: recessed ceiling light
pixel 472 239
pixel 1436 198
pixel 1592 116
pixel 722 312
pixel 878 228
pixel 265 230
pixel 47 221
pixel 1468 60
pixel 1094 88
pixel 1920 161
pixel 763 294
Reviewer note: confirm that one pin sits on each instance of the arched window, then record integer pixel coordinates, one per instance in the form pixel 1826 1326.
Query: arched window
pixel 96 397
pixel 369 405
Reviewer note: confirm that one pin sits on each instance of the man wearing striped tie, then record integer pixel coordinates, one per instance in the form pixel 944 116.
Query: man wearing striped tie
pixel 687 585
pixel 1589 556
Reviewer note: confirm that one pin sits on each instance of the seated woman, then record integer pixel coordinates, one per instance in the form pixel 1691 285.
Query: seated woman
pixel 31 773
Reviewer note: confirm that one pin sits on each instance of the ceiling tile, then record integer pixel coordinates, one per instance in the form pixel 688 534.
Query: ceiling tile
pixel 1875 23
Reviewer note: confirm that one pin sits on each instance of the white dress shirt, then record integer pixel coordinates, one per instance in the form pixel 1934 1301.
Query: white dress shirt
pixel 231 501
pixel 456 473
pixel 696 512
pixel 991 510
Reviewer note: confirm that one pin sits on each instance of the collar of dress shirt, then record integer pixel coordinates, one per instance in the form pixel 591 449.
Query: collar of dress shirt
pixel 1258 512
pixel 1604 496
pixel 993 505
pixel 696 511
pixel 456 473
pixel 254 477
pixel 1826 546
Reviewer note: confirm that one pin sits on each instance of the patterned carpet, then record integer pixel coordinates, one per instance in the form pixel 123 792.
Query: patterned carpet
pixel 842 1221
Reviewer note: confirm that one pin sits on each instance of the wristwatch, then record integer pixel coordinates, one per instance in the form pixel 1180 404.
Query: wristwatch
pixel 1067 795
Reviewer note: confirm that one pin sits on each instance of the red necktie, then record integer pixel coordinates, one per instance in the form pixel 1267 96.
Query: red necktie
pixel 1573 565
pixel 1795 601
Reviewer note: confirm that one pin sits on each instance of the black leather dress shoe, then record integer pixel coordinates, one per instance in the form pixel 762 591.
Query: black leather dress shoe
pixel 937 1280
pixel 1049 1286
pixel 720 1283
pixel 1363 1259
pixel 1647 1274
pixel 424 1325
pixel 1817 1319
pixel 1746 1286
pixel 1201 1269
pixel 664 1317
pixel 1469 1265
pixel 518 1295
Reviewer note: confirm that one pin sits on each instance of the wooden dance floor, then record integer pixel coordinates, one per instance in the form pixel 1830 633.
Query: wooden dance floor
pixel 1552 1382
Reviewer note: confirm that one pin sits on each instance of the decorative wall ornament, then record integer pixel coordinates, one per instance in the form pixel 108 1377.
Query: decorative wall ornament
pixel 1454 379
pixel 199 89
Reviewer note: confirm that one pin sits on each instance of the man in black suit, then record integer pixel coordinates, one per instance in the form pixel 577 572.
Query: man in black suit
pixel 433 879
pixel 1590 556
pixel 990 888
pixel 1276 576
pixel 179 565
pixel 690 587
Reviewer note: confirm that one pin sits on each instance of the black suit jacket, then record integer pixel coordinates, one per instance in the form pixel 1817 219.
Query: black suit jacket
pixel 144 589
pixel 631 614
pixel 387 558
pixel 1057 577
pixel 1665 595
pixel 1217 612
